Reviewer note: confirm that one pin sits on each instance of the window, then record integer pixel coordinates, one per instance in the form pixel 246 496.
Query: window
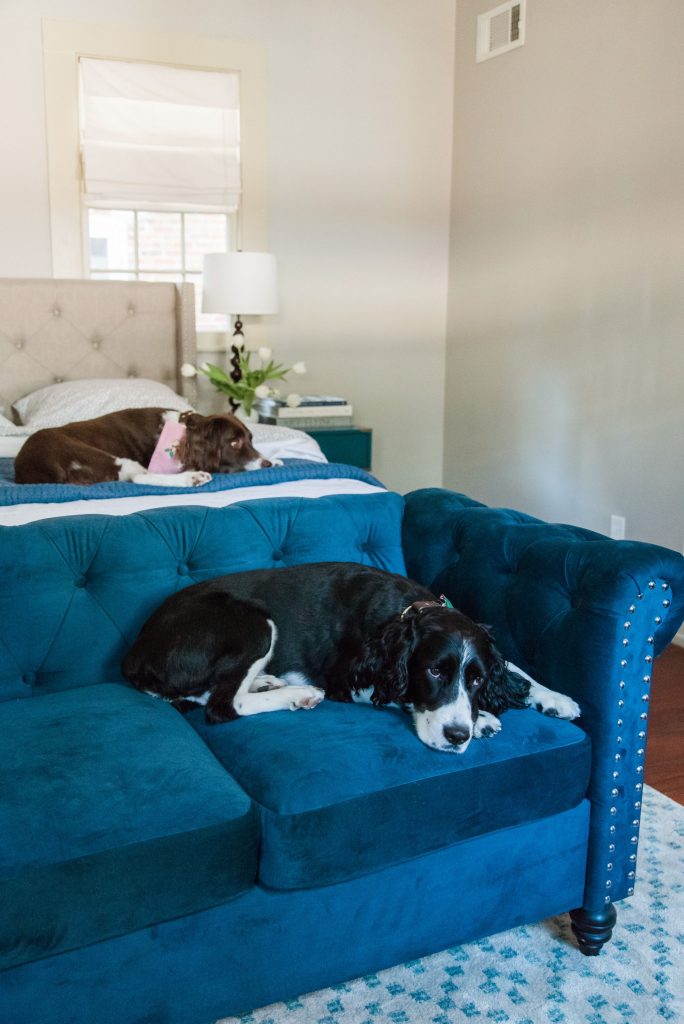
pixel 160 162
pixel 65 44
pixel 153 245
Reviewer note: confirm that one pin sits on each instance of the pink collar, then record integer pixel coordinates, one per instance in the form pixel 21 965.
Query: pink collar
pixel 165 455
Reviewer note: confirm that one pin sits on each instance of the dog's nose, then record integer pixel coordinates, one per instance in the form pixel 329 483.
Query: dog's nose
pixel 456 734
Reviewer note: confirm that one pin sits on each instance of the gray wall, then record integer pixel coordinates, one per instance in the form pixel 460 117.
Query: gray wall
pixel 565 354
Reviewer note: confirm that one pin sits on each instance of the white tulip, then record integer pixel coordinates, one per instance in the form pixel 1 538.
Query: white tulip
pixel 299 368
pixel 262 391
pixel 264 353
pixel 188 370
pixel 293 401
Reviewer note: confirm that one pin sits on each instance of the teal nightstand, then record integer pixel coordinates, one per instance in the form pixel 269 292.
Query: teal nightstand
pixel 352 445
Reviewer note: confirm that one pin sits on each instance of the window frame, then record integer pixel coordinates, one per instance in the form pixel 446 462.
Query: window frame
pixel 64 42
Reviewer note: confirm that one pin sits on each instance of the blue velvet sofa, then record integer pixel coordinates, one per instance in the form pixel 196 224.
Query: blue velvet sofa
pixel 156 870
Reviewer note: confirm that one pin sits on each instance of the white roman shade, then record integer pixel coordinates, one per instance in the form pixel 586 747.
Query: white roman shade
pixel 156 136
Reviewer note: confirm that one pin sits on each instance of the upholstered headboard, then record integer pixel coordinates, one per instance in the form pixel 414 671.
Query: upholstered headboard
pixel 54 330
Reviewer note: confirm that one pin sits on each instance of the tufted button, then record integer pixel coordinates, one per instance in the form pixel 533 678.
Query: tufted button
pixel 131 374
pixel 29 678
pixel 80 581
pixel 57 380
pixel 95 342
pixel 183 569
pixel 277 555
pixel 19 344
pixel 364 546
pixel 56 311
pixel 131 309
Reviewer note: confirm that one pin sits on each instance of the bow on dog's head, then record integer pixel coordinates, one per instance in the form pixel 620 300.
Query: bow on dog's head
pixel 438 663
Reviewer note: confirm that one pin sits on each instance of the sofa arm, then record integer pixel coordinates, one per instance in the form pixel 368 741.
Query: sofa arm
pixel 583 614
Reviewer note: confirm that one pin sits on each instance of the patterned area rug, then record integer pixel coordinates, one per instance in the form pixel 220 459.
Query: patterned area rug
pixel 535 974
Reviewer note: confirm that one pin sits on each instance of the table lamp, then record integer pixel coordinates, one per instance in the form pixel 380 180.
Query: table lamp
pixel 241 284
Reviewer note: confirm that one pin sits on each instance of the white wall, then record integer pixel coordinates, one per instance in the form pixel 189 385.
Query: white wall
pixel 565 354
pixel 359 188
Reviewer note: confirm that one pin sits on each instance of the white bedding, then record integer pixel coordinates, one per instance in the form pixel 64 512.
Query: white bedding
pixel 17 515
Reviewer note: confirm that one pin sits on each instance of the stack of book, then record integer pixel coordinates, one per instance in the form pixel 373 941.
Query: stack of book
pixel 312 411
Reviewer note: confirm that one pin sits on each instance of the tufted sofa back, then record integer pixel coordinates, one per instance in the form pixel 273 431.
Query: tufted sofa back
pixel 76 590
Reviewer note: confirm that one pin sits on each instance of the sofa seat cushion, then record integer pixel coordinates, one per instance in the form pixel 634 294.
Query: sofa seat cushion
pixel 347 789
pixel 113 816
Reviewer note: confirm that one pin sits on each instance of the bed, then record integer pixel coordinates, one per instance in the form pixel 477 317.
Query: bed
pixel 71 349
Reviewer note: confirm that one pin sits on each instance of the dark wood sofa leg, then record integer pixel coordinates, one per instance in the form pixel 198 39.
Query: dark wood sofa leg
pixel 593 928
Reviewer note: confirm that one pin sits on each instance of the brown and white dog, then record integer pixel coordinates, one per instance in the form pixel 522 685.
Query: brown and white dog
pixel 120 445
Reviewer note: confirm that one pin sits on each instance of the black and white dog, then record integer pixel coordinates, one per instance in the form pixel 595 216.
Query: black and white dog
pixel 277 639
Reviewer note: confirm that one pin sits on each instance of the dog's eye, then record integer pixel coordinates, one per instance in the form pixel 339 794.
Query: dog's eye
pixel 434 672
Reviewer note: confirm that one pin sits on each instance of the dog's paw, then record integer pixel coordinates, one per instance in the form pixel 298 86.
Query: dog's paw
pixel 486 724
pixel 560 706
pixel 198 478
pixel 276 462
pixel 266 682
pixel 552 703
pixel 304 696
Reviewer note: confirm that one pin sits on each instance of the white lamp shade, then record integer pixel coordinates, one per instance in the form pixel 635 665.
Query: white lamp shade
pixel 240 282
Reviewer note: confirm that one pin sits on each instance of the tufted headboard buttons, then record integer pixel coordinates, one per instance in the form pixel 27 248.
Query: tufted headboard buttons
pixel 55 330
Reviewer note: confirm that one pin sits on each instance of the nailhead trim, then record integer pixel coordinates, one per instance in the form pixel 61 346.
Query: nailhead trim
pixel 640 749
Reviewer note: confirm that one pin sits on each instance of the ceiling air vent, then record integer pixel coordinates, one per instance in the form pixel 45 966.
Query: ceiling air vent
pixel 500 30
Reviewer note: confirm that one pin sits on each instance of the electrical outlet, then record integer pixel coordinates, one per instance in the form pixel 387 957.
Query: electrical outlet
pixel 617 527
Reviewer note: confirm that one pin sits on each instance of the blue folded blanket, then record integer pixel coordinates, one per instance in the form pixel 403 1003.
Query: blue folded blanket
pixel 293 469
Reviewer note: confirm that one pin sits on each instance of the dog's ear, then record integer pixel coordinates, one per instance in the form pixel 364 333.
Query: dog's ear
pixel 202 445
pixel 383 663
pixel 502 688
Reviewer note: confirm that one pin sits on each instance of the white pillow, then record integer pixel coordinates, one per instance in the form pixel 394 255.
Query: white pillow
pixel 9 428
pixel 275 442
pixel 75 400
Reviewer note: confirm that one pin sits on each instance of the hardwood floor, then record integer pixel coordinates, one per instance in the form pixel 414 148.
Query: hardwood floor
pixel 665 752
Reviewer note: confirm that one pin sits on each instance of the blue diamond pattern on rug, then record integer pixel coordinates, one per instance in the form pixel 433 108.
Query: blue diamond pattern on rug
pixel 535 974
